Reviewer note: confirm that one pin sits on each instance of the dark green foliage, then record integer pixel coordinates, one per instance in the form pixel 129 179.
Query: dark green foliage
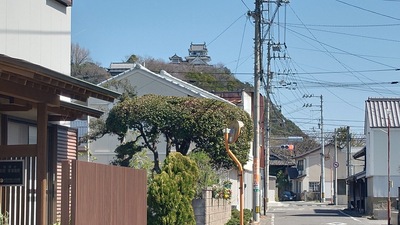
pixel 182 121
pixel 171 193
pixel 124 153
pixel 235 220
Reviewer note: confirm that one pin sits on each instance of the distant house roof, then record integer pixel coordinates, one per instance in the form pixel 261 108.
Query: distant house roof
pixel 277 160
pixel 378 110
pixel 311 151
pixel 166 77
pixel 360 153
pixel 233 96
pixel 175 59
pixel 117 68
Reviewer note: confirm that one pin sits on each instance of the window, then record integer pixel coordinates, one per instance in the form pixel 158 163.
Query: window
pixel 341 183
pixel 21 133
pixel 313 186
pixel 300 167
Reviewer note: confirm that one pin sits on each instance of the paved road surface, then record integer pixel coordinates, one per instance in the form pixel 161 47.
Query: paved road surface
pixel 307 213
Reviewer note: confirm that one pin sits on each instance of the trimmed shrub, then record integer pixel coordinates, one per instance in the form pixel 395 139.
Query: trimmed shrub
pixel 171 192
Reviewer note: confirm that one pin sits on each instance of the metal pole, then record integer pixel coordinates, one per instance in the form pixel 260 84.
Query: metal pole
pixel 348 165
pixel 335 171
pixel 256 112
pixel 241 174
pixel 388 171
pixel 267 130
pixel 322 156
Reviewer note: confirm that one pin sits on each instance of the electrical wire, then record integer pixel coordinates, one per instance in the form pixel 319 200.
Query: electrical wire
pixel 219 35
pixel 367 10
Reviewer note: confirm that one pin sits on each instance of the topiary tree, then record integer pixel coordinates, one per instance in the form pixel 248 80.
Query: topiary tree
pixel 181 122
pixel 171 193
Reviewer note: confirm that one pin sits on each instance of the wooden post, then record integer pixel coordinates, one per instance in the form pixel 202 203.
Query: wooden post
pixel 42 166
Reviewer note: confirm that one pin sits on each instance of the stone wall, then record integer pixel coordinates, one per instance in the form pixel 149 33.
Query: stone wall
pixel 377 206
pixel 211 211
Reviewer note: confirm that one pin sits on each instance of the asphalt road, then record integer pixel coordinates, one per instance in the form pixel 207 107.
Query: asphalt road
pixel 307 213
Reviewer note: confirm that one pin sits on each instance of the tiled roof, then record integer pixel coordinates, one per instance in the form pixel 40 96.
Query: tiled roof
pixel 164 76
pixel 378 110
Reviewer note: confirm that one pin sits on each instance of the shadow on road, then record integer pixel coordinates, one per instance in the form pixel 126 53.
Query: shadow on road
pixel 331 213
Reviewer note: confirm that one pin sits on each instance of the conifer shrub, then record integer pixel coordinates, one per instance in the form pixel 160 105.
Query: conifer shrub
pixel 171 192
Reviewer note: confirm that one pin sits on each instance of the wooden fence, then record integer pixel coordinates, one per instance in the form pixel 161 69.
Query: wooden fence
pixel 102 194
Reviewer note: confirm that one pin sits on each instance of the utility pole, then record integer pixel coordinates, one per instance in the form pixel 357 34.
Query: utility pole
pixel 335 171
pixel 256 112
pixel 322 156
pixel 267 129
pixel 267 102
pixel 348 162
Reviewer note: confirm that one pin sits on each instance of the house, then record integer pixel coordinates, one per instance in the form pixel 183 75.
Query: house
pixel 145 82
pixel 31 111
pixel 308 181
pixel 38 32
pixel 35 100
pixel 380 179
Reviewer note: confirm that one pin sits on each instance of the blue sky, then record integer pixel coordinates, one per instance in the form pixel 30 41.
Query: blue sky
pixel 345 51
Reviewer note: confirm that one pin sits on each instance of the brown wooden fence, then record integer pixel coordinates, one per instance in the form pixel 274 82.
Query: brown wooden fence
pixel 101 194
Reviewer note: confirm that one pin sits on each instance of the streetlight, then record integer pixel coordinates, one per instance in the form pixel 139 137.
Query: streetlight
pixel 231 135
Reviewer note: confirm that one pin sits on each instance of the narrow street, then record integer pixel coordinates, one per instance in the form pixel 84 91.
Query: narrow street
pixel 312 213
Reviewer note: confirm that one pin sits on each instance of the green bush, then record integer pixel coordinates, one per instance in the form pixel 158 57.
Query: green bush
pixel 170 193
pixel 235 217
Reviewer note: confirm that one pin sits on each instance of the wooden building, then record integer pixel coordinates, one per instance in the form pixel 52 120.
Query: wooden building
pixel 30 112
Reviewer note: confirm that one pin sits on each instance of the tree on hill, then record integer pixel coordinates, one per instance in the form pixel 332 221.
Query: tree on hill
pixel 83 67
pixel 181 122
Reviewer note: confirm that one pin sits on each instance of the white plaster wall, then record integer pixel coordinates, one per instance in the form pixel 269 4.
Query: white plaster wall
pixel 377 153
pixel 38 31
pixel 377 161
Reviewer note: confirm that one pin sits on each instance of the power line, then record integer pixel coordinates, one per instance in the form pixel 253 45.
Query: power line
pixel 367 10
pixel 354 35
pixel 219 35
pixel 344 71
pixel 345 26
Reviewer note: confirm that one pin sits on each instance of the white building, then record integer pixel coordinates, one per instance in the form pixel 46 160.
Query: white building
pixel 382 129
pixel 37 31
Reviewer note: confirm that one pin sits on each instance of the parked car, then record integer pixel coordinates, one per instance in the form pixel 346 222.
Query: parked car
pixel 288 196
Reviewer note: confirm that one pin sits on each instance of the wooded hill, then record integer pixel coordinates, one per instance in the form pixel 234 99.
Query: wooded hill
pixel 213 78
pixel 217 78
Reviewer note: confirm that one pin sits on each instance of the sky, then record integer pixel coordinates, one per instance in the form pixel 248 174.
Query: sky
pixel 343 50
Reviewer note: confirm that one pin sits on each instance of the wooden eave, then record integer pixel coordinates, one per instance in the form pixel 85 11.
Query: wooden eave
pixel 16 71
pixel 69 111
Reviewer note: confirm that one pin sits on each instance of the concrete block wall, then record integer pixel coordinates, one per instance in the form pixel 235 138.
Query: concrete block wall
pixel 211 211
